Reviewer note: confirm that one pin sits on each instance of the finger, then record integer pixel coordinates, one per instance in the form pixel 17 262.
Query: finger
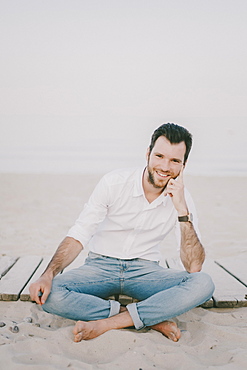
pixel 37 297
pixel 180 177
pixel 35 294
pixel 170 183
pixel 44 296
pixel 169 190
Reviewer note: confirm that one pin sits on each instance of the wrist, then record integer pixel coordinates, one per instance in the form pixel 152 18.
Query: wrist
pixel 183 212
pixel 48 274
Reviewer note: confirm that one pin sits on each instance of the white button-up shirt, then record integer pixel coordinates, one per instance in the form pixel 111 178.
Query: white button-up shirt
pixel 119 222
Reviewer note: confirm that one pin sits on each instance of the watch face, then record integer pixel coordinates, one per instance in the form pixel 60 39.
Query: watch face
pixel 185 218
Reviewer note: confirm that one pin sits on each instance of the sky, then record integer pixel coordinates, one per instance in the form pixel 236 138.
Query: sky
pixel 84 83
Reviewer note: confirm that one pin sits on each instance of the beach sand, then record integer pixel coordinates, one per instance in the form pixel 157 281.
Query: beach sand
pixel 36 213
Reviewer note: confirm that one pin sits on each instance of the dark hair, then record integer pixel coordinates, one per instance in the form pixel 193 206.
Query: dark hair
pixel 175 134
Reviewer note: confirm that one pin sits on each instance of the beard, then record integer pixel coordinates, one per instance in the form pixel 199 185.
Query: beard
pixel 151 180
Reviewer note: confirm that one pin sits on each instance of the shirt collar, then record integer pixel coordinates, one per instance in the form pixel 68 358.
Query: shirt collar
pixel 138 189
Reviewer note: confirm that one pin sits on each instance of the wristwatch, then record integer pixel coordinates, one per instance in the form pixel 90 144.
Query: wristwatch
pixel 187 218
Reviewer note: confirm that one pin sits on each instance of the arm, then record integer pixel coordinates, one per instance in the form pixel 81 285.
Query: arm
pixel 192 253
pixel 67 251
pixel 191 250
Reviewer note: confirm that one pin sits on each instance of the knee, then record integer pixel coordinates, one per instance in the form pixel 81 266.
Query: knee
pixel 56 296
pixel 50 303
pixel 54 302
pixel 205 283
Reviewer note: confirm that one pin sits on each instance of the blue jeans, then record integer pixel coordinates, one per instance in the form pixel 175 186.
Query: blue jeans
pixel 81 294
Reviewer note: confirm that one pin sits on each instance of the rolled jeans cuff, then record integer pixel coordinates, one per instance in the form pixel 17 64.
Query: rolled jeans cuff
pixel 135 316
pixel 114 308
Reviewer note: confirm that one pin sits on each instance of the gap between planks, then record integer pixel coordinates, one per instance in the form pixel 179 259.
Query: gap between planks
pixel 13 282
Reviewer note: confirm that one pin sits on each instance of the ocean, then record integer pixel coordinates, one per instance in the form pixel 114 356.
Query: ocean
pixel 99 145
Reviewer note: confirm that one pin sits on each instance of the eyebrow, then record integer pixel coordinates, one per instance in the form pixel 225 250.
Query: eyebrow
pixel 171 159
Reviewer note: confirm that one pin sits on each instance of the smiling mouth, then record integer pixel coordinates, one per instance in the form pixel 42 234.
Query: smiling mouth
pixel 164 176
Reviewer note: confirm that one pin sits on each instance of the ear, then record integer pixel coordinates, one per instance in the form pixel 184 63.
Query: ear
pixel 147 154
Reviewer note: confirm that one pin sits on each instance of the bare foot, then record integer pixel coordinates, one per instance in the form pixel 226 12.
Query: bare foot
pixel 91 329
pixel 169 329
pixel 85 330
pixel 88 330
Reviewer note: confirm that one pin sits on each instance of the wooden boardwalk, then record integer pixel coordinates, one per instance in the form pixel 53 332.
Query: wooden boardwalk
pixel 229 276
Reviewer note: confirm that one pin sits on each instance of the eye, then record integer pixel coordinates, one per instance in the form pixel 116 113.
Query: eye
pixel 177 161
pixel 159 155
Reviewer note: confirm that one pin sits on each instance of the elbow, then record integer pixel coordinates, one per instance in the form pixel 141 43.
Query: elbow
pixel 194 267
pixel 193 264
pixel 73 242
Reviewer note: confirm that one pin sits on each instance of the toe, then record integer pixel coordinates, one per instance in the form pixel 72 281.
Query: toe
pixel 77 327
pixel 78 337
pixel 172 336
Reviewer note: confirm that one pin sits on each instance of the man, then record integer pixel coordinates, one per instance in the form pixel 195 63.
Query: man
pixel 129 213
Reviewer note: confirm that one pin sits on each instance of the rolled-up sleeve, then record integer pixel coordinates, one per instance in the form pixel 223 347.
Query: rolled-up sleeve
pixel 93 213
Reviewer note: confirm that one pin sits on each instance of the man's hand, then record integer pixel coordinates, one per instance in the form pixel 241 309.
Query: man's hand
pixel 40 289
pixel 175 188
pixel 67 251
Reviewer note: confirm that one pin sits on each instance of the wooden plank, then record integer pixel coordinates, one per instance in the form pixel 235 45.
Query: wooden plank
pixel 16 279
pixel 6 262
pixel 25 295
pixel 124 300
pixel 176 264
pixel 228 291
pixel 236 267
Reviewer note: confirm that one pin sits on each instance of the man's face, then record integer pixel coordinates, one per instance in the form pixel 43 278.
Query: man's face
pixel 164 162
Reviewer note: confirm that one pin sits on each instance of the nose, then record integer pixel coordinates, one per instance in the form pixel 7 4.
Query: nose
pixel 165 165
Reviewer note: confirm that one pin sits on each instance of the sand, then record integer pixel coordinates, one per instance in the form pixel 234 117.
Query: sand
pixel 36 212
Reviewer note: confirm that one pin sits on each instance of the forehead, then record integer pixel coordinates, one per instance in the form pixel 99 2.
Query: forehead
pixel 163 146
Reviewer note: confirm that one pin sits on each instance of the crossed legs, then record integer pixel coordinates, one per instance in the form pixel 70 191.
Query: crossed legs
pixel 162 293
